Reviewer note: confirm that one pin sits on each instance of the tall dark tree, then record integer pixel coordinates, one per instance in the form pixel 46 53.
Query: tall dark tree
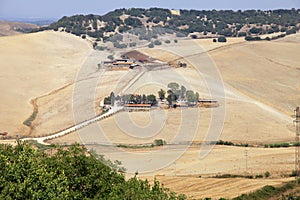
pixel 161 94
pixel 112 98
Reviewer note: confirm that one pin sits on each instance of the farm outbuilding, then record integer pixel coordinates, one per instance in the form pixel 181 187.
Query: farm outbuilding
pixel 137 107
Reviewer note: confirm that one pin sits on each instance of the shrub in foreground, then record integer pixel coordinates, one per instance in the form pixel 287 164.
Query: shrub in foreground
pixel 68 173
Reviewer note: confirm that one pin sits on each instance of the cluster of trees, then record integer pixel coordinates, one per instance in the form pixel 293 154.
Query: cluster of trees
pixel 223 22
pixel 176 92
pixel 131 99
pixel 69 173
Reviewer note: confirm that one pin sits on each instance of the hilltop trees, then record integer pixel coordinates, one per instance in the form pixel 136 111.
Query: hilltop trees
pixel 69 173
pixel 224 22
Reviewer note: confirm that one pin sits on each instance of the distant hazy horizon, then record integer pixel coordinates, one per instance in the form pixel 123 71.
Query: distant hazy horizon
pixel 36 9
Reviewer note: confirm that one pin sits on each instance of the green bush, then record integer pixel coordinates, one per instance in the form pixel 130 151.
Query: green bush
pixel 151 45
pixel 259 176
pixel 157 42
pixel 132 44
pixel 159 142
pixel 242 34
pixel 250 38
pixel 110 57
pixel 222 39
pixel 101 48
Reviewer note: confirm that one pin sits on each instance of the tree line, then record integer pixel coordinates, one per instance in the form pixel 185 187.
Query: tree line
pixel 222 22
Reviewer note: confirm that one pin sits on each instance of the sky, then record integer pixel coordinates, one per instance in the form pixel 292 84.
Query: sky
pixel 55 9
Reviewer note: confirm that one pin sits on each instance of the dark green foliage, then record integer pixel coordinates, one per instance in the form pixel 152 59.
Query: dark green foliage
pixel 223 22
pixel 151 99
pixel 173 86
pixel 228 143
pixel 112 98
pixel 132 44
pixel 267 174
pixel 222 39
pixel 190 96
pixel 116 38
pixel 157 42
pixel 259 176
pixel 107 100
pixel 194 36
pixel 159 142
pixel 68 173
pixel 151 45
pixel 133 22
pixel 95 45
pixel 161 94
pixel 32 117
pixel 179 34
pixel 238 176
pixel 291 31
pixel 101 48
pixel 255 30
pixel 133 99
pixel 250 38
pixel 167 41
pixel 214 40
pixel 119 45
pixel 110 57
pixel 221 142
pixel 242 34
pixel 277 145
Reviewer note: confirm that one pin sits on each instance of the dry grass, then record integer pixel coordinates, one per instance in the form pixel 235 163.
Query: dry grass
pixel 33 65
pixel 10 28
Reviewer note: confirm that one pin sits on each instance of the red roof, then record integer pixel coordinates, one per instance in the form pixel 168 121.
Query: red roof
pixel 137 105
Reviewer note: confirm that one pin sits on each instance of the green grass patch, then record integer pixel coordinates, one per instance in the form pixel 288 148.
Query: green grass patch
pixel 268 192
pixel 30 119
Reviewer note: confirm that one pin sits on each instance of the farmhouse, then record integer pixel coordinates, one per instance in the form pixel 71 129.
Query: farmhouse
pixel 137 107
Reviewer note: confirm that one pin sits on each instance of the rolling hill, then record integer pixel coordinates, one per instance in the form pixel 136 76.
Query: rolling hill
pixel 205 23
pixel 13 28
